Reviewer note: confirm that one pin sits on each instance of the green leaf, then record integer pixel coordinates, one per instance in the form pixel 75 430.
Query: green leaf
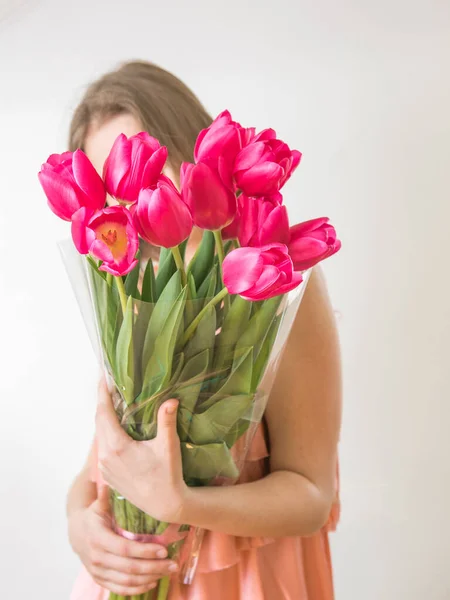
pixel 142 320
pixel 166 270
pixel 159 315
pixel 203 260
pixel 264 353
pixel 233 325
pixel 179 363
pixel 191 380
pixel 159 368
pixel 258 326
pixel 207 461
pixel 131 282
pixel 148 283
pixel 124 354
pixel 214 424
pixel 239 380
pixel 208 287
pixel 204 336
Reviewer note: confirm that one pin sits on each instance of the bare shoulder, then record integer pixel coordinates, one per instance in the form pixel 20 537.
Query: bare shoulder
pixel 304 410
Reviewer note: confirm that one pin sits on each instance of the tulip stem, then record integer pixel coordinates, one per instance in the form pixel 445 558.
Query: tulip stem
pixel 193 326
pixel 180 263
pixel 109 279
pixel 221 255
pixel 122 293
pixel 219 247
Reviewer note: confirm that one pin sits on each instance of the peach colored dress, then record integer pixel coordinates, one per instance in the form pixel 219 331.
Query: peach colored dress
pixel 238 568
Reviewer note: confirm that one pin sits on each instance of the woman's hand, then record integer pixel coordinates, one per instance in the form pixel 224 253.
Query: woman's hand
pixel 119 565
pixel 148 474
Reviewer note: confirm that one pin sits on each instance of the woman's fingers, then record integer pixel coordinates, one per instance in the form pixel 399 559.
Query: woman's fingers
pixel 136 567
pixel 115 544
pixel 122 590
pixel 124 579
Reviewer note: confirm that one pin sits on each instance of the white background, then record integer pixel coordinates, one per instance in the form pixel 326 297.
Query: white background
pixel 363 89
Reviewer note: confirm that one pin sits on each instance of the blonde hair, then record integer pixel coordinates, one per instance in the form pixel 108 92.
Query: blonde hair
pixel 164 106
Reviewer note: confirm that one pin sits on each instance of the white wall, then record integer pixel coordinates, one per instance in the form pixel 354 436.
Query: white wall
pixel 362 88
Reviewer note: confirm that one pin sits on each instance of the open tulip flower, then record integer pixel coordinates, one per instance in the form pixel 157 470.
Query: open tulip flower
pixel 133 164
pixel 311 242
pixel 264 165
pixel 108 235
pixel 70 182
pixel 260 273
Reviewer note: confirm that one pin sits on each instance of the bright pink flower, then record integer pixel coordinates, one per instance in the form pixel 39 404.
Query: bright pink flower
pixel 161 217
pixel 211 202
pixel 264 165
pixel 133 164
pixel 219 144
pixel 262 221
pixel 109 235
pixel 260 273
pixel 71 182
pixel 311 242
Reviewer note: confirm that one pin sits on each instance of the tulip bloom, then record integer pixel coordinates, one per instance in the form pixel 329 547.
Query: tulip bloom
pixel 220 143
pixel 311 242
pixel 133 164
pixel 262 221
pixel 264 165
pixel 260 273
pixel 161 217
pixel 70 182
pixel 211 202
pixel 108 235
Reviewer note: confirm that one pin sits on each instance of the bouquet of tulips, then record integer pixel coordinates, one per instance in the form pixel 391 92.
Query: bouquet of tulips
pixel 209 332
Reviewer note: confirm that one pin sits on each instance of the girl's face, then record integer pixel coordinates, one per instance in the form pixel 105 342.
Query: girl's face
pixel 100 139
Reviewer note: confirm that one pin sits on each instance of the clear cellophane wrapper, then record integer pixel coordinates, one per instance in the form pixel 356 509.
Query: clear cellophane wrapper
pixel 222 376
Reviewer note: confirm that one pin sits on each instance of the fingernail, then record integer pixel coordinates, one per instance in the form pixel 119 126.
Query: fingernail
pixel 161 553
pixel 171 409
pixel 173 568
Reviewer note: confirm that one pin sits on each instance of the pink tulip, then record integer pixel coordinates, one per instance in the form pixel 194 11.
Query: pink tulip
pixel 211 202
pixel 262 221
pixel 161 217
pixel 220 143
pixel 260 273
pixel 71 182
pixel 108 235
pixel 311 242
pixel 264 165
pixel 133 164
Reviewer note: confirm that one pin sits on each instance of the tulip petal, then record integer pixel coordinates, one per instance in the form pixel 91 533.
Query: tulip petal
pixel 266 283
pixel 117 164
pixel 241 269
pixel 154 166
pixel 249 156
pixel 61 196
pixel 101 251
pixel 83 237
pixel 302 228
pixel 261 180
pixel 265 134
pixel 89 180
pixel 275 227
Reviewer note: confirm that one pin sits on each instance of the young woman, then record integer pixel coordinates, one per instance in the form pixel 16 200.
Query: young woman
pixel 267 537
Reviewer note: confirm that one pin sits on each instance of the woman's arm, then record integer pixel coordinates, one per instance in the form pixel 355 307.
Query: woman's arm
pixel 83 491
pixel 303 417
